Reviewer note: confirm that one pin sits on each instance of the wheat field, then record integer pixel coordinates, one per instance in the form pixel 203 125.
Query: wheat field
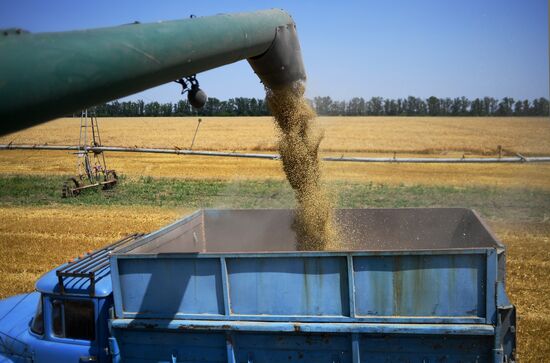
pixel 428 135
pixel 135 165
pixel 350 136
pixel 33 239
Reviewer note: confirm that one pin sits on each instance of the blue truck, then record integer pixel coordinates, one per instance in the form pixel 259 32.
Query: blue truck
pixel 406 285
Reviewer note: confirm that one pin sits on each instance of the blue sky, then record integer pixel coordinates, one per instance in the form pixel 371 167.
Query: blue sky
pixel 388 48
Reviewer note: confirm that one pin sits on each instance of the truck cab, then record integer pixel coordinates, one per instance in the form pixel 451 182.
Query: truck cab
pixel 66 318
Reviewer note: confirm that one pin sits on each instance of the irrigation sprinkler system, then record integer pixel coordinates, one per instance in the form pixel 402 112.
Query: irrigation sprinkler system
pixel 91 167
pixel 463 160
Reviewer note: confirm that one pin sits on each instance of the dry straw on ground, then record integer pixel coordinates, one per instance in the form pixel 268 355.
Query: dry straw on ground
pixel 432 135
pixel 299 149
pixel 36 239
pixel 528 284
pixel 449 136
pixel 204 167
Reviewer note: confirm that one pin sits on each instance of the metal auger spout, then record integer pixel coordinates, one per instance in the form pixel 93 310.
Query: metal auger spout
pixel 49 75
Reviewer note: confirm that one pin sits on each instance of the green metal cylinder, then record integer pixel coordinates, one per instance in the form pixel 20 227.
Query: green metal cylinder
pixel 48 75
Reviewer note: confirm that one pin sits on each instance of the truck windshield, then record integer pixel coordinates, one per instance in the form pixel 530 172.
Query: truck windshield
pixel 73 319
pixel 37 326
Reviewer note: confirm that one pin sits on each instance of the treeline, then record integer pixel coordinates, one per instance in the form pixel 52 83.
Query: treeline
pixel 432 106
pixel 240 106
pixel 326 106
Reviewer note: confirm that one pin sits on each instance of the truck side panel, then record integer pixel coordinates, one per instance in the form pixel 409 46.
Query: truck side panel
pixel 165 287
pixel 192 346
pixel 413 286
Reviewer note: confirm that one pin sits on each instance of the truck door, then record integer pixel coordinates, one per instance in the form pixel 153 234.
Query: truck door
pixel 71 334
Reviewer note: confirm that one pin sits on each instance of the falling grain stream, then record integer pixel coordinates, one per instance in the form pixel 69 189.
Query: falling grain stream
pixel 298 146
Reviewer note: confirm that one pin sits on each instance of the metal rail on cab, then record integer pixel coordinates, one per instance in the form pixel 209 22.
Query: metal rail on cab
pixel 91 264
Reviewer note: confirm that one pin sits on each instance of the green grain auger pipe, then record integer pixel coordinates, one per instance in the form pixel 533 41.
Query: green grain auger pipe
pixel 49 75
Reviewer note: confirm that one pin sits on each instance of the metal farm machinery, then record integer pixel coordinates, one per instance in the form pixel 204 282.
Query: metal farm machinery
pixel 91 167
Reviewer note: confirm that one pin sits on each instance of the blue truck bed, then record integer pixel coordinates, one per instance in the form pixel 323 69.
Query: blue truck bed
pixel 407 285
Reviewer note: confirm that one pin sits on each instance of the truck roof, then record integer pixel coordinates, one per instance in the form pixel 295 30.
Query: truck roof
pixel 49 284
pixel 88 275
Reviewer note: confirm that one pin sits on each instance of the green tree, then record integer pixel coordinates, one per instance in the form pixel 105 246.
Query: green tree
pixel 476 108
pixel 391 107
pixel 540 107
pixel 356 107
pixel 505 107
pixel 518 108
pixel 489 106
pixel 375 106
pixel 322 105
pixel 434 106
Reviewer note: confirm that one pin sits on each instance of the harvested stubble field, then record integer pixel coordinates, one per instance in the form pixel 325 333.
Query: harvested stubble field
pixel 373 136
pixel 210 168
pixel 36 239
pixel 39 230
pixel 416 135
